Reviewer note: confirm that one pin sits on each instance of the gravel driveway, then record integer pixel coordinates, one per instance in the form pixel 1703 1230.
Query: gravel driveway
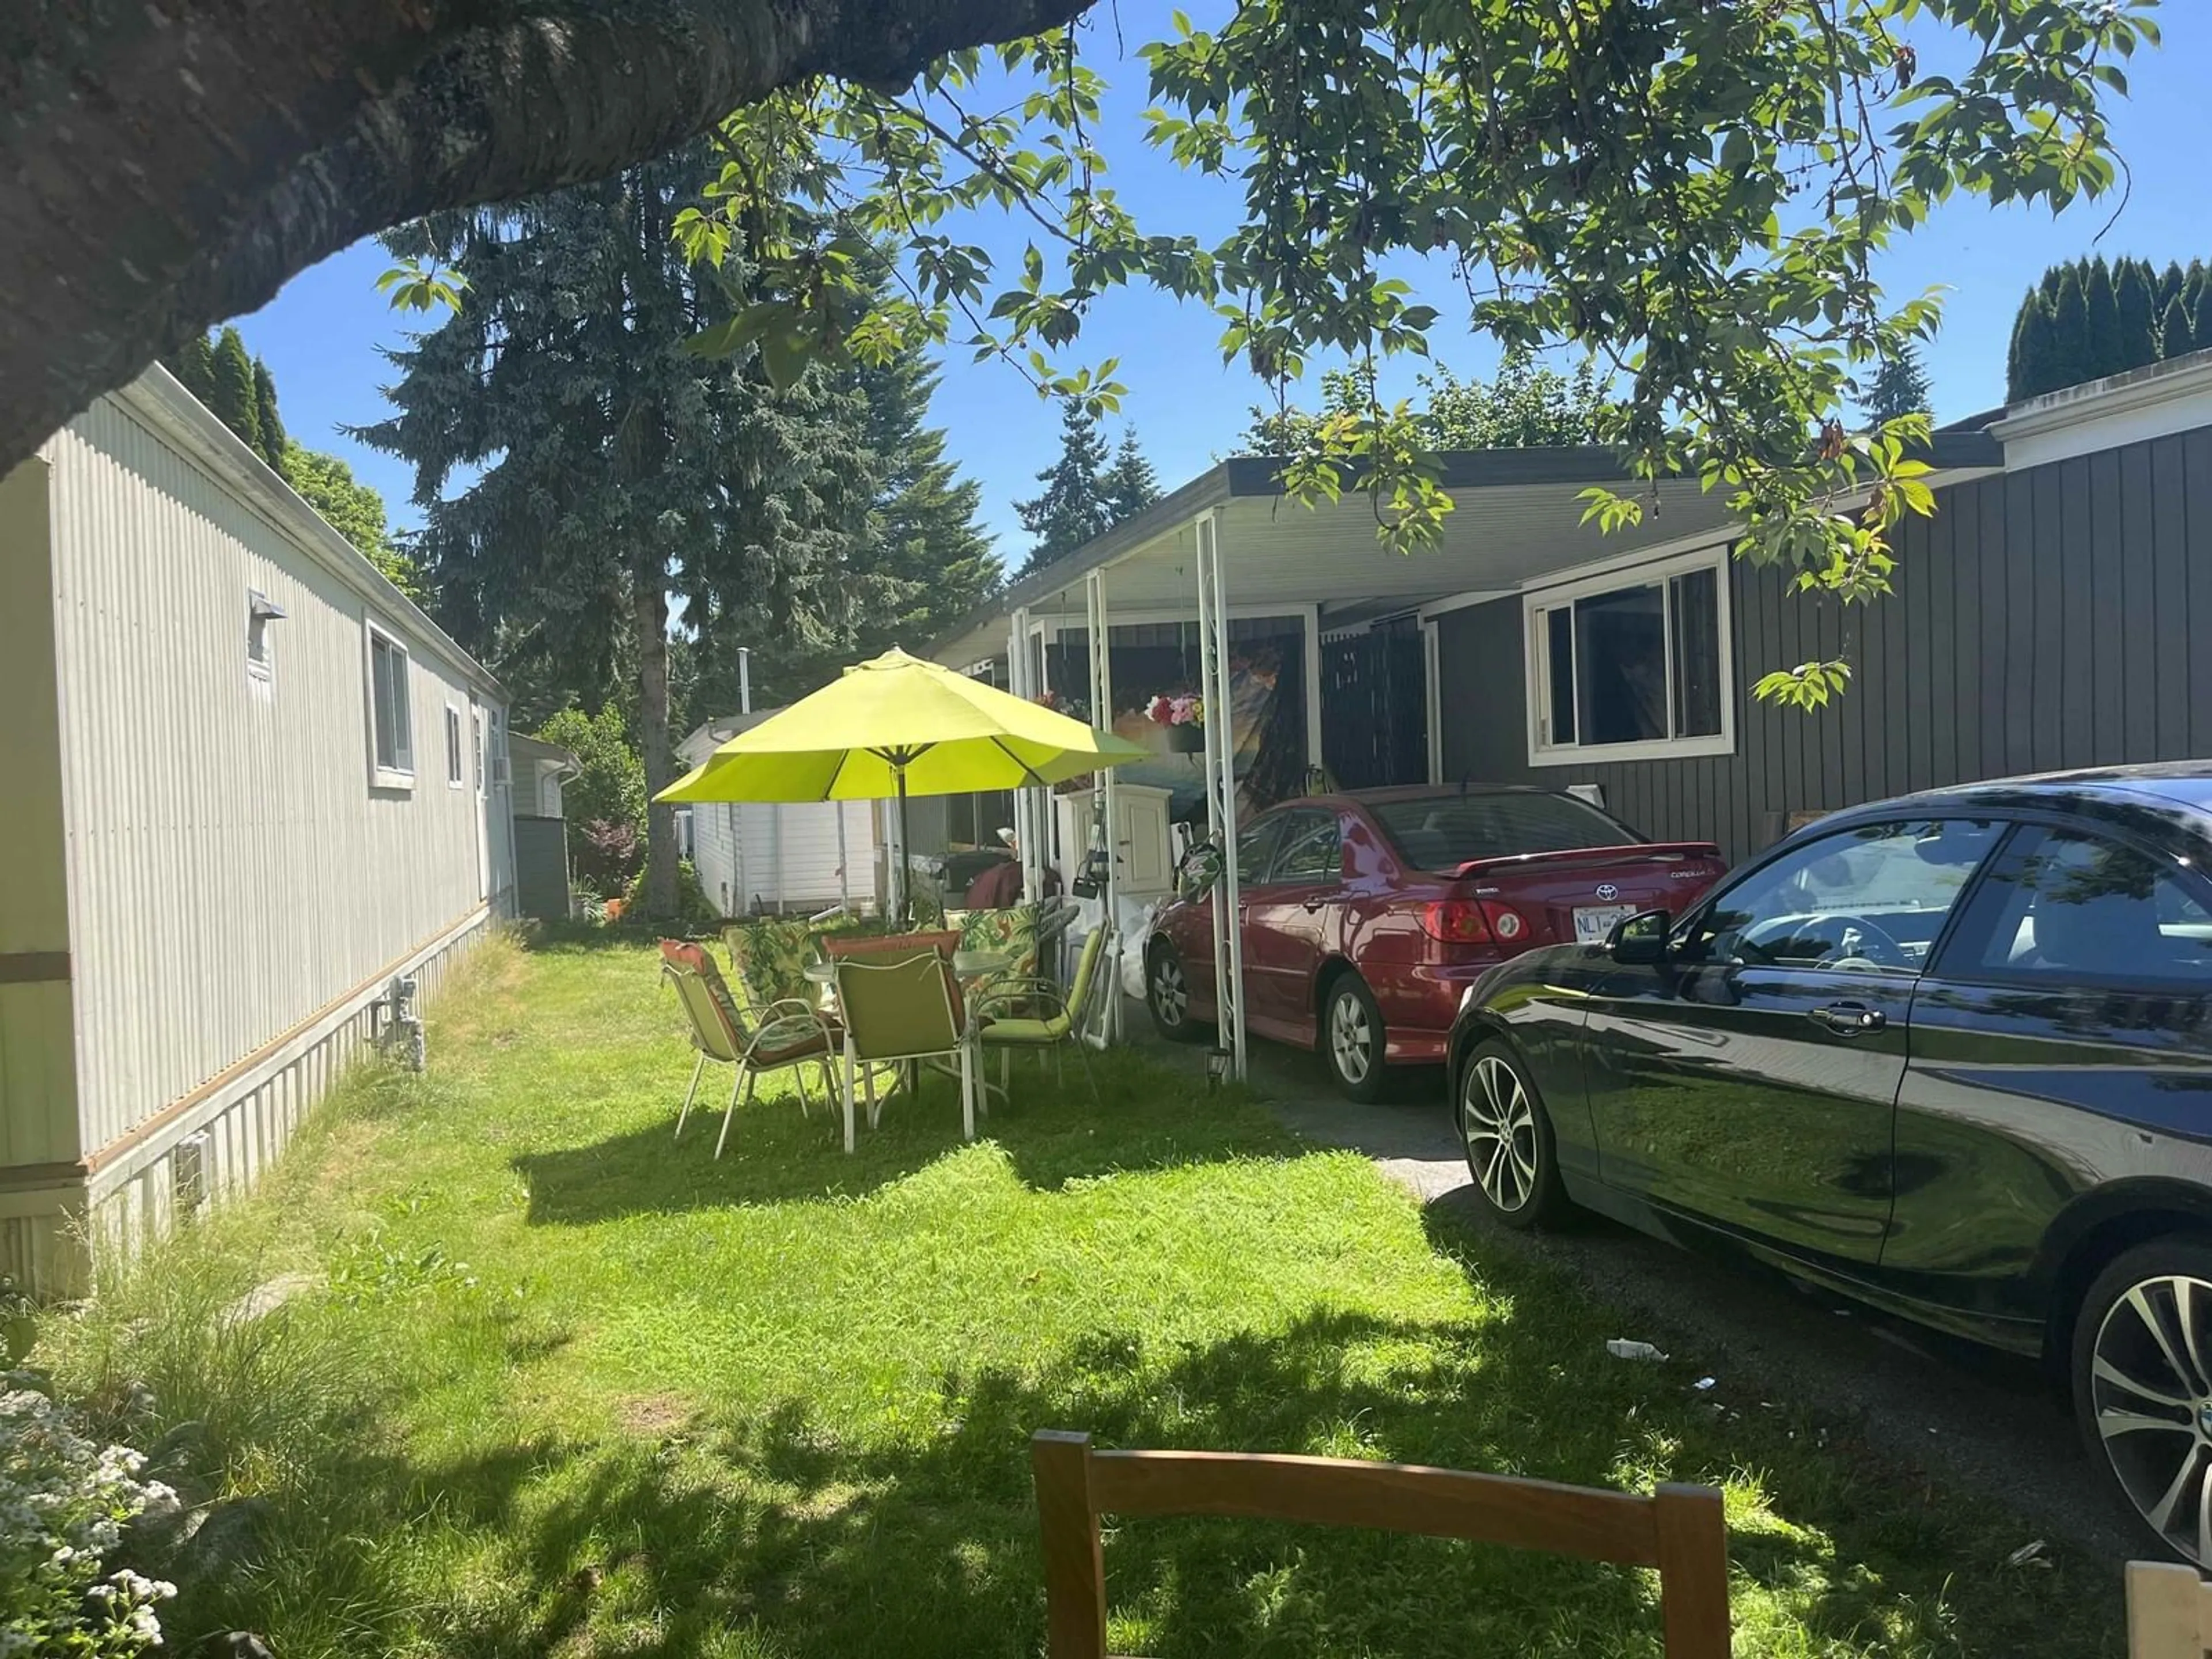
pixel 1982 1423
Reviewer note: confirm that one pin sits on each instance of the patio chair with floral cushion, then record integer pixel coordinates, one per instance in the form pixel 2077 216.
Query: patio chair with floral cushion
pixel 1037 1014
pixel 1027 935
pixel 769 956
pixel 786 1035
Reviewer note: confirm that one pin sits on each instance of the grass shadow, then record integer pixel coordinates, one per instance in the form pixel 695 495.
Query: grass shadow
pixel 1052 1131
pixel 721 1537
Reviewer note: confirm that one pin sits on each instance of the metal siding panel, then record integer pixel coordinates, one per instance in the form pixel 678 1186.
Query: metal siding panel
pixel 2169 544
pixel 1766 719
pixel 1942 643
pixel 2074 667
pixel 1871 684
pixel 2196 529
pixel 1963 507
pixel 1790 636
pixel 2019 624
pixel 1994 577
pixel 2139 606
pixel 233 871
pixel 2039 563
pixel 2107 622
pixel 1914 584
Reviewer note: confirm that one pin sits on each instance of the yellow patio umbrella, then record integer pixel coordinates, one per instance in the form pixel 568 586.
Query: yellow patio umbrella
pixel 894 727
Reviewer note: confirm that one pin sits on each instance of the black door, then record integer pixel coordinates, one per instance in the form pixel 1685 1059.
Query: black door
pixel 1753 1079
pixel 2069 1016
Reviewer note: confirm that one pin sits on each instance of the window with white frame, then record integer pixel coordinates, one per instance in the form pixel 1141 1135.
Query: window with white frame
pixel 1632 666
pixel 260 649
pixel 391 720
pixel 456 774
pixel 476 744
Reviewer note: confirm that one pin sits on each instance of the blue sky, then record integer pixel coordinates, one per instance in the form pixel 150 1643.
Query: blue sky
pixel 321 335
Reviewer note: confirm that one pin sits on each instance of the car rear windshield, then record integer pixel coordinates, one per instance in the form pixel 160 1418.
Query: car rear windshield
pixel 1435 832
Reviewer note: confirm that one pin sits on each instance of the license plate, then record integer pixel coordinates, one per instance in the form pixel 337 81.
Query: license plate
pixel 1594 923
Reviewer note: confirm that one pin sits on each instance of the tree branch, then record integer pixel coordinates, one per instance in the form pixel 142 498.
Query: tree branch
pixel 177 163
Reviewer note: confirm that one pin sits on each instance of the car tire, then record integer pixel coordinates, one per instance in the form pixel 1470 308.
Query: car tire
pixel 1167 995
pixel 2129 1332
pixel 1506 1134
pixel 1350 1038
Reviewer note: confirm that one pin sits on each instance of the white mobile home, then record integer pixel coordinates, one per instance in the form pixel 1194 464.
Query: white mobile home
pixel 245 785
pixel 786 858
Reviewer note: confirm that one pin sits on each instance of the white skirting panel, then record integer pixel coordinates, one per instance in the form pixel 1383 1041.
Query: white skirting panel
pixel 47 1231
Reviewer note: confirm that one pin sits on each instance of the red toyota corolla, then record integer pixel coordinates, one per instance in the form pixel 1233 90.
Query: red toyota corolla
pixel 1366 915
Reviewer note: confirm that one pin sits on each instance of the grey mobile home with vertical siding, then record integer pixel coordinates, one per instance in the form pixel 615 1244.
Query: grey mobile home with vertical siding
pixel 246 785
pixel 2056 611
pixel 2053 613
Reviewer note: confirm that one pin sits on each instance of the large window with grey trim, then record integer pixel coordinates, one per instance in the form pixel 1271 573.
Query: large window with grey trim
pixel 1629 666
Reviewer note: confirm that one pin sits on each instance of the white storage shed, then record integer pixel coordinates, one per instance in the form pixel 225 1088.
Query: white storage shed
pixel 784 858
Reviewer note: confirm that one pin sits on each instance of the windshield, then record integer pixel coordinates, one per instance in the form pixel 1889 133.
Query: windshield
pixel 1435 832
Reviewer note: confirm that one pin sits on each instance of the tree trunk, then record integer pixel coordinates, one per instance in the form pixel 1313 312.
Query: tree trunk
pixel 649 605
pixel 166 164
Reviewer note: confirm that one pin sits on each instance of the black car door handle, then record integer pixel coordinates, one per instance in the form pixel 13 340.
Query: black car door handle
pixel 1848 1020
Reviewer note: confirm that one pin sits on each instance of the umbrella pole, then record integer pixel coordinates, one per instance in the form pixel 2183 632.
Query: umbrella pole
pixel 906 855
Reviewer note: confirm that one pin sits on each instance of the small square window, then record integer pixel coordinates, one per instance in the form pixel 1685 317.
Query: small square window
pixel 455 776
pixel 260 646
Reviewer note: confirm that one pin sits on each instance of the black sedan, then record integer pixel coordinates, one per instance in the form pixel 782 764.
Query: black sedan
pixel 1950 1054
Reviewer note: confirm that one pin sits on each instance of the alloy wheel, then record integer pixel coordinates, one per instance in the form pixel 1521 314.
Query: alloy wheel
pixel 1499 1123
pixel 2150 1382
pixel 1350 1037
pixel 1170 991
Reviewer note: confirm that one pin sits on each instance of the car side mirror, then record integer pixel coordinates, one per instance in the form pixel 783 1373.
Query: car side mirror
pixel 1640 940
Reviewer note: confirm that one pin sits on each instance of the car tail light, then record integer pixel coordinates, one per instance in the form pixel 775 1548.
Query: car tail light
pixel 1455 921
pixel 1472 921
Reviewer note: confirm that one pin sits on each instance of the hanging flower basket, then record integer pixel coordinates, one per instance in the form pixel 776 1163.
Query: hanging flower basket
pixel 1184 716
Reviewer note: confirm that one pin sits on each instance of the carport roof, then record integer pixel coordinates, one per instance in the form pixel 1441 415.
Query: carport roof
pixel 1517 519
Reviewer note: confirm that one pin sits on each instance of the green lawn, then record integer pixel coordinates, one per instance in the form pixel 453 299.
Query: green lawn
pixel 565 1386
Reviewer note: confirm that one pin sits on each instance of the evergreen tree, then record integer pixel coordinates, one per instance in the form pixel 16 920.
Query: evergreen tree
pixel 2170 283
pixel 2068 363
pixel 194 368
pixel 234 403
pixel 2132 288
pixel 1900 386
pixel 2103 352
pixel 1131 484
pixel 2175 336
pixel 269 425
pixel 2200 318
pixel 2031 306
pixel 2192 289
pixel 2037 358
pixel 2052 277
pixel 619 469
pixel 928 562
pixel 1074 506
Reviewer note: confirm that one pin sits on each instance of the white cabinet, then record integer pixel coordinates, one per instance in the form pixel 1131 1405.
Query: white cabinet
pixel 1141 838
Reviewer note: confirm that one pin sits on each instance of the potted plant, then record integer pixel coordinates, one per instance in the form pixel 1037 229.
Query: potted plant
pixel 1184 716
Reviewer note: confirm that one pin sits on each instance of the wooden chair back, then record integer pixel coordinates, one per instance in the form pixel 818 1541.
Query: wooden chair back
pixel 2169 1611
pixel 1679 1529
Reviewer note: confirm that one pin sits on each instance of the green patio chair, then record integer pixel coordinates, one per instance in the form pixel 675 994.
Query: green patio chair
pixel 1037 1014
pixel 754 1042
pixel 899 1007
pixel 769 955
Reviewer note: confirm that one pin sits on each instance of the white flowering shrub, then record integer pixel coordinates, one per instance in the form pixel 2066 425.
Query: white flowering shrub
pixel 64 1500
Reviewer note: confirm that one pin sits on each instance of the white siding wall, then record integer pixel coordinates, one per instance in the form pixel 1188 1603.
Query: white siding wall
pixel 233 874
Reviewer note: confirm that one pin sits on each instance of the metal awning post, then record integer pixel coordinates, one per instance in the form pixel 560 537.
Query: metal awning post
pixel 1220 729
pixel 1030 805
pixel 1107 802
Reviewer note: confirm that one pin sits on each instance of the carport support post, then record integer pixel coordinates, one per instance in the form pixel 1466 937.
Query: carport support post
pixel 1221 790
pixel 1104 800
pixel 1030 805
